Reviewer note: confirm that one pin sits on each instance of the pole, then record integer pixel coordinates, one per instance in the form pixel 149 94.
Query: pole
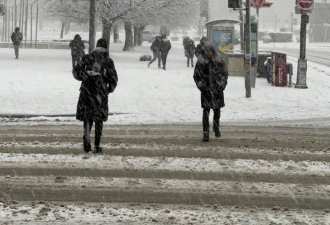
pixel 37 15
pixel 92 31
pixel 302 61
pixel 275 22
pixel 12 18
pixel 22 26
pixel 257 45
pixel 248 51
pixel 5 23
pixel 20 13
pixel 4 26
pixel 31 26
pixel 15 13
pixel 8 24
pixel 241 26
pixel 26 20
pixel 291 14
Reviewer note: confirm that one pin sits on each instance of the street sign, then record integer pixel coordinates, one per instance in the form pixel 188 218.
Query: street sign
pixel 2 9
pixel 258 3
pixel 264 5
pixel 305 4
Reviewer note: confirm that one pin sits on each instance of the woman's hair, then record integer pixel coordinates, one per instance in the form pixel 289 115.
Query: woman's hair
pixel 102 43
pixel 208 46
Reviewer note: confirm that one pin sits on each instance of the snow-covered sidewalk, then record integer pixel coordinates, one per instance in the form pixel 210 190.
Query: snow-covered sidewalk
pixel 41 83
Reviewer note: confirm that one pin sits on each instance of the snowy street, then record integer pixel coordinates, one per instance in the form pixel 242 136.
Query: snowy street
pixel 41 83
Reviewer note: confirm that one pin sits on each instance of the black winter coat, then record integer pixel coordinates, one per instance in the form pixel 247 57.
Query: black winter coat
pixel 156 45
pixel 190 49
pixel 77 48
pixel 165 46
pixel 99 78
pixel 211 79
pixel 199 49
pixel 16 37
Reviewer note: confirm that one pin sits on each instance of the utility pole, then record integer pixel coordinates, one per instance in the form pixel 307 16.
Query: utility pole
pixel 26 20
pixel 22 26
pixel 15 14
pixel 31 26
pixel 92 24
pixel 241 25
pixel 247 37
pixel 291 14
pixel 275 22
pixel 37 25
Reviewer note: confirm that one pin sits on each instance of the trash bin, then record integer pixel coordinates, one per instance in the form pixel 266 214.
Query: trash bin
pixel 278 69
pixel 289 71
pixel 267 64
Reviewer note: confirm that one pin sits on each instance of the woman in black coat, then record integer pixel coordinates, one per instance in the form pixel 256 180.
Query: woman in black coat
pixel 77 49
pixel 211 79
pixel 190 50
pixel 99 78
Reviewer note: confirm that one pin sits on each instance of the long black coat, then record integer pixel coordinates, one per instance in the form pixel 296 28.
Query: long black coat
pixel 77 48
pixel 156 45
pixel 190 49
pixel 16 37
pixel 211 79
pixel 99 78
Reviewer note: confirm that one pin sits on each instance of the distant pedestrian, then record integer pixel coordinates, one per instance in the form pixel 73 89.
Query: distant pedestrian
pixel 211 79
pixel 99 78
pixel 164 49
pixel 190 50
pixel 199 49
pixel 16 38
pixel 77 49
pixel 184 43
pixel 155 48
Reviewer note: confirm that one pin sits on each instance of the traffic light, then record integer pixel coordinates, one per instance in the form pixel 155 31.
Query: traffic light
pixel 234 4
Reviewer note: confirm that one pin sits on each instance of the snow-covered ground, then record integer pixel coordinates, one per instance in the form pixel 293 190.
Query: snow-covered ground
pixel 41 83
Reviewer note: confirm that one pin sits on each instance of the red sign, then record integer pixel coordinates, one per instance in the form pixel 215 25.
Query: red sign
pixel 305 4
pixel 258 3
pixel 279 78
pixel 264 5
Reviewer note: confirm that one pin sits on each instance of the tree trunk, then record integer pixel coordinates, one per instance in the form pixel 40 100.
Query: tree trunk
pixel 135 35
pixel 140 38
pixel 129 36
pixel 106 31
pixel 115 33
pixel 62 30
pixel 67 27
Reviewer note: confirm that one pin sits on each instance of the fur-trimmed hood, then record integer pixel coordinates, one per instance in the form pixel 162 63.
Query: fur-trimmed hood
pixel 203 59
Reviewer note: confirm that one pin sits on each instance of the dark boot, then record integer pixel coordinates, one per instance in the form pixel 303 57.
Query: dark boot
pixel 206 137
pixel 97 149
pixel 216 131
pixel 87 145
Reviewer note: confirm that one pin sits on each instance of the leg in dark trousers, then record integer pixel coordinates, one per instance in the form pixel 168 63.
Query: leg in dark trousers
pixel 98 132
pixel 164 57
pixel 159 55
pixel 216 122
pixel 154 59
pixel 206 125
pixel 86 138
pixel 192 61
pixel 187 61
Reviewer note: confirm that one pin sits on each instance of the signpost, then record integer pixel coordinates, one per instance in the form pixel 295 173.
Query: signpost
pixel 2 9
pixel 257 4
pixel 303 7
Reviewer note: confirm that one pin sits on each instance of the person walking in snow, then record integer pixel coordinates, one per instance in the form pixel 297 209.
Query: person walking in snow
pixel 199 49
pixel 211 79
pixel 184 43
pixel 190 50
pixel 155 48
pixel 77 49
pixel 164 49
pixel 16 38
pixel 99 78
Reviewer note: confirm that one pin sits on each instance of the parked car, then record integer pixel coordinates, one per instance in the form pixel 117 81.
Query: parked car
pixel 266 39
pixel 147 36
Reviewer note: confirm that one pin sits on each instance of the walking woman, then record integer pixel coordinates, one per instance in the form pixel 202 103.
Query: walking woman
pixel 211 79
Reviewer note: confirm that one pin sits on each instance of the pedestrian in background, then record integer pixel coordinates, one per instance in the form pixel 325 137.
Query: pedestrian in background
pixel 155 48
pixel 190 50
pixel 77 49
pixel 184 43
pixel 211 79
pixel 16 38
pixel 99 78
pixel 164 49
pixel 199 49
